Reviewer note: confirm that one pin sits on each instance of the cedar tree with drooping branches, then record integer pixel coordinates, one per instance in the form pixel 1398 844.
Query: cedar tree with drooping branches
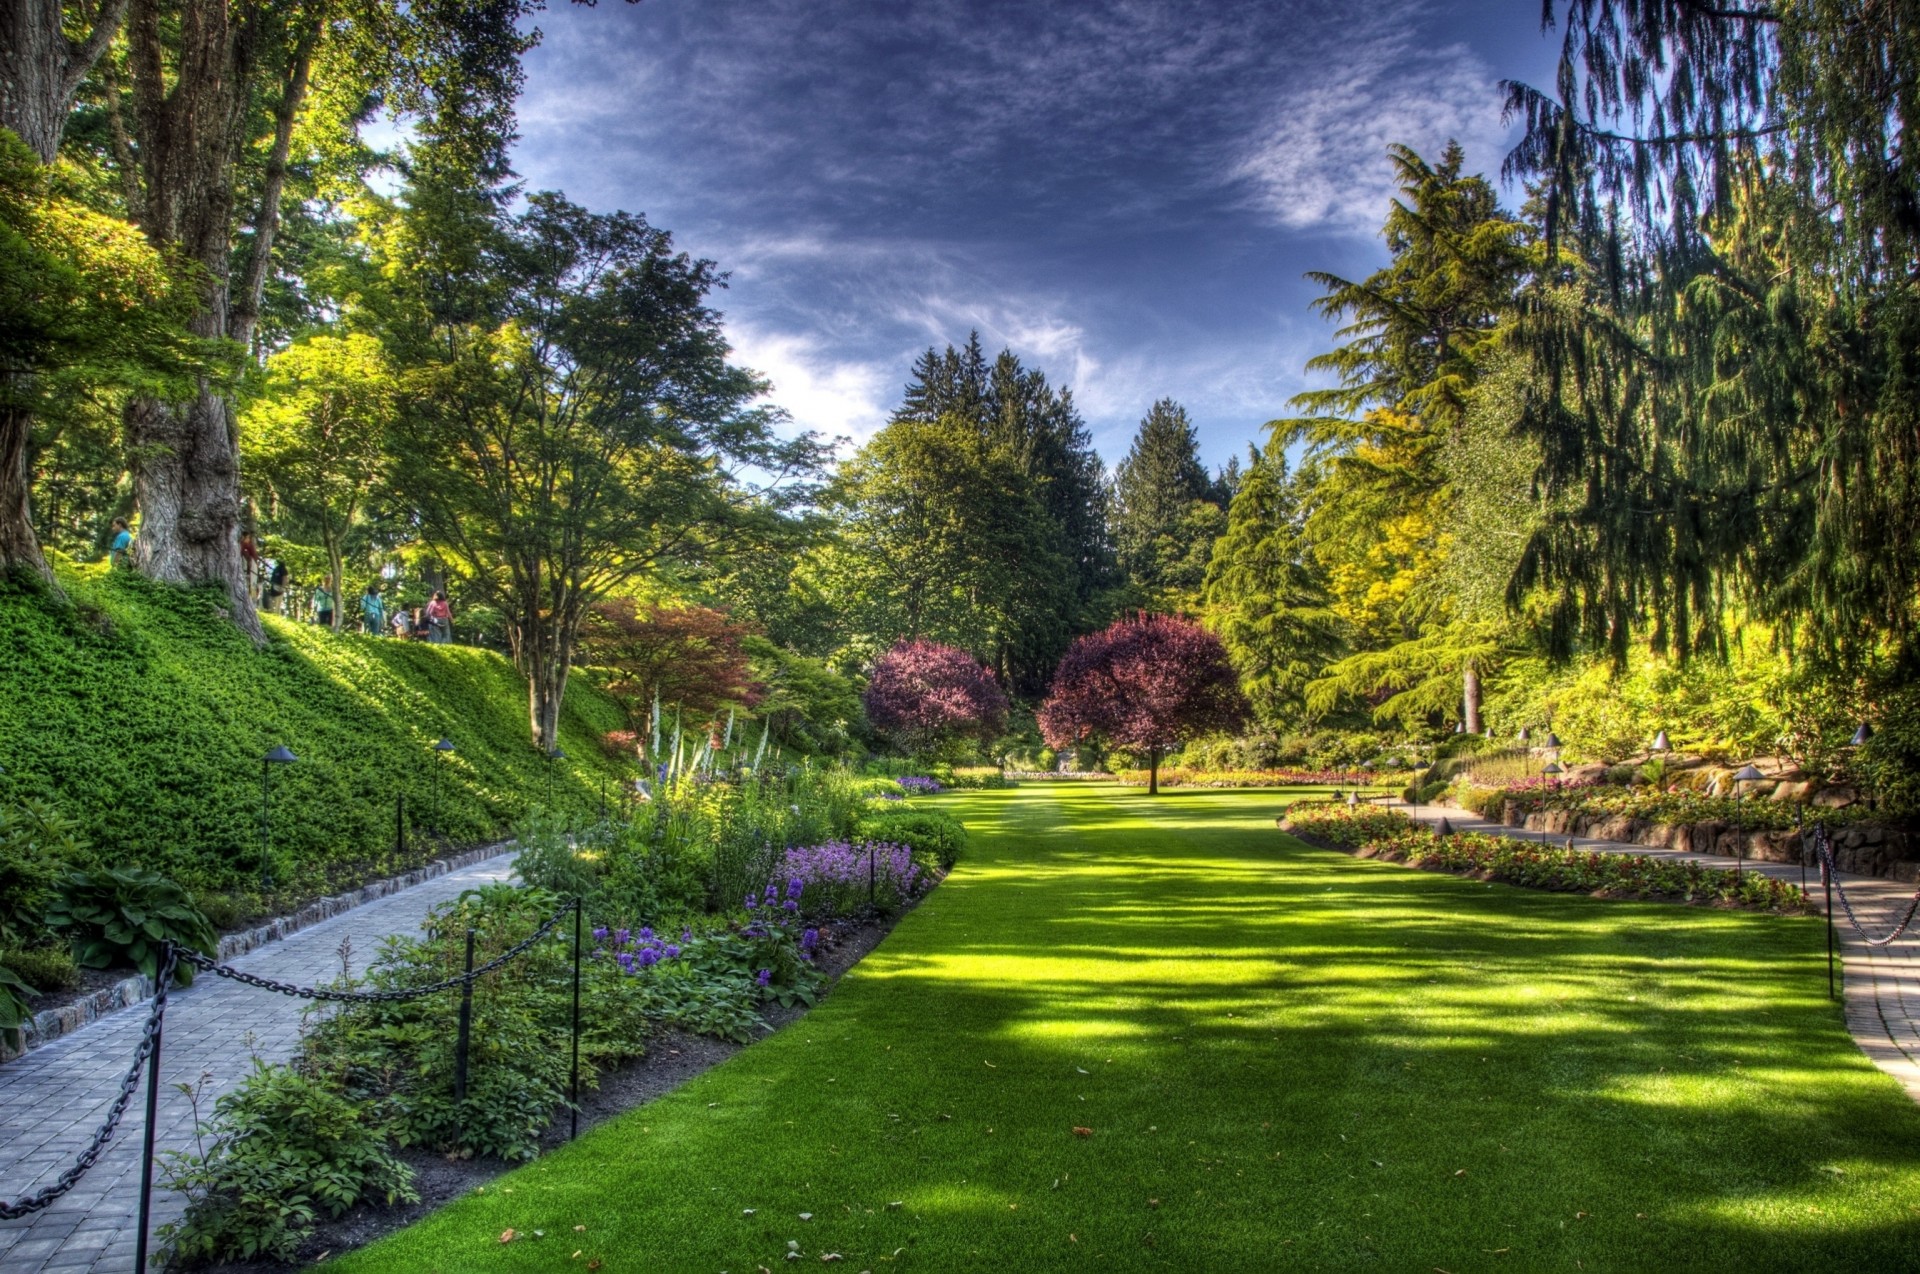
pixel 924 696
pixel 1146 684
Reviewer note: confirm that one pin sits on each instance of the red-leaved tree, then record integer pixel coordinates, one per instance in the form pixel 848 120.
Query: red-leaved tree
pixel 924 696
pixel 1145 684
pixel 689 658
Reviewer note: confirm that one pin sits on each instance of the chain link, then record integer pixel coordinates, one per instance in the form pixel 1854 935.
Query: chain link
pixel 1823 843
pixel 209 965
pixel 129 1084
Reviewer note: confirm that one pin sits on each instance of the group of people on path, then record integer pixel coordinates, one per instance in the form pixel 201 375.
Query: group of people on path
pixel 431 623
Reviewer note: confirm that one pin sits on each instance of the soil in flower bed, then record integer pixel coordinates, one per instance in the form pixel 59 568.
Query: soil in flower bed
pixel 673 1057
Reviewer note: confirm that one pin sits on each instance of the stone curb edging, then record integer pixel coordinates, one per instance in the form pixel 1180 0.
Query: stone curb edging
pixel 50 1024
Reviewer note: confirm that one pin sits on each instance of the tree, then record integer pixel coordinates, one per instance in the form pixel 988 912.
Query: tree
pixel 1727 406
pixel 1038 426
pixel 1266 593
pixel 1418 336
pixel 1162 538
pixel 806 704
pixel 687 658
pixel 942 536
pixel 84 300
pixel 570 421
pixel 926 697
pixel 42 67
pixel 316 438
pixel 1146 683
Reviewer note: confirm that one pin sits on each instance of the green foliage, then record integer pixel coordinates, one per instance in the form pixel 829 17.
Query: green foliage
pixel 806 704
pixel 1167 512
pixel 14 1013
pixel 287 1146
pixel 1266 593
pixel 142 713
pixel 45 969
pixel 36 845
pixel 126 916
pixel 934 833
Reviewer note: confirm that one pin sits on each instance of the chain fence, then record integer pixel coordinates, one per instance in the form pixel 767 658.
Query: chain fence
pixel 147 1054
pixel 1823 845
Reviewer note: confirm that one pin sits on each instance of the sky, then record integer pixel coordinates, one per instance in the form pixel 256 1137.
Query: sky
pixel 1127 193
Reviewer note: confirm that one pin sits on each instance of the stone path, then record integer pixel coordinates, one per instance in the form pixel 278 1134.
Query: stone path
pixel 52 1099
pixel 1880 989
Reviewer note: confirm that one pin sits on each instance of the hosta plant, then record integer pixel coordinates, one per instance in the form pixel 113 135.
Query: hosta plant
pixel 126 916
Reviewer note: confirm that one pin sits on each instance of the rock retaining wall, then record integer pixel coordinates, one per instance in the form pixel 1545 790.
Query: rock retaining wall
pixel 1860 848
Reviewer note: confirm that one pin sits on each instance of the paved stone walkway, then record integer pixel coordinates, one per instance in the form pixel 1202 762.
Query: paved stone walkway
pixel 1880 989
pixel 52 1099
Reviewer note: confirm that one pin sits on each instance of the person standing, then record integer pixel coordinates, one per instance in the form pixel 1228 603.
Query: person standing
pixel 322 605
pixel 276 590
pixel 373 612
pixel 439 620
pixel 402 625
pixel 121 553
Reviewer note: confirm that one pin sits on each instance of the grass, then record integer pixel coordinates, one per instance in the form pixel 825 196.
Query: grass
pixel 1287 1057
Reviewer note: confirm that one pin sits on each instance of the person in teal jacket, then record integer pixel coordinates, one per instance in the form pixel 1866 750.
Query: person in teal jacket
pixel 373 612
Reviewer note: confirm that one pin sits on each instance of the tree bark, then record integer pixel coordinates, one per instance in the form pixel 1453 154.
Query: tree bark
pixel 1470 697
pixel 19 547
pixel 1153 771
pixel 40 73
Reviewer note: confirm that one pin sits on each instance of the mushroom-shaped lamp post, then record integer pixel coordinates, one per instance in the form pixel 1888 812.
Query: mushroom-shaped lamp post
pixel 277 755
pixel 443 747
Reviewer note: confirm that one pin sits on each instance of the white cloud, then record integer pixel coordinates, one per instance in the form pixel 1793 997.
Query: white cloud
pixel 1319 159
pixel 835 396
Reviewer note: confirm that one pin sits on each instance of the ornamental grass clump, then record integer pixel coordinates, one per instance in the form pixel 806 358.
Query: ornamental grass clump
pixel 838 878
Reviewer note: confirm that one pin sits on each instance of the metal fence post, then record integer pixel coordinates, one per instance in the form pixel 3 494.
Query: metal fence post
pixel 466 1027
pixel 153 1111
pixel 575 1084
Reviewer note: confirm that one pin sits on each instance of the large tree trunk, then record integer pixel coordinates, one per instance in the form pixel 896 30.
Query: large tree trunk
pixel 41 69
pixel 19 547
pixel 1470 697
pixel 186 477
pixel 1153 771
pixel 40 72
pixel 543 655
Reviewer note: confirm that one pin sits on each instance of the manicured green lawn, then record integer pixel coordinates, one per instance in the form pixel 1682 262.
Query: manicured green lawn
pixel 1287 1057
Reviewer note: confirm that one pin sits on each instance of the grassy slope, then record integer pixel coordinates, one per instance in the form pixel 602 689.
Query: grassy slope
pixel 144 714
pixel 1306 1059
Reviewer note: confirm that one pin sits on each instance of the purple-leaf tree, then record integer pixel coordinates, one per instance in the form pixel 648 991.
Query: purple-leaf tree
pixel 1146 684
pixel 925 696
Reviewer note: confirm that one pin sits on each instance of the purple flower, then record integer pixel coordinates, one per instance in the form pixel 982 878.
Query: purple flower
pixel 790 906
pixel 794 887
pixel 621 937
pixel 766 976
pixel 773 891
pixel 647 934
pixel 810 939
pixel 600 934
pixel 673 952
pixel 752 902
pixel 686 935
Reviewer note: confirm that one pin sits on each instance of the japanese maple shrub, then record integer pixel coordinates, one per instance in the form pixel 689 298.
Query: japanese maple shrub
pixel 926 698
pixel 1146 684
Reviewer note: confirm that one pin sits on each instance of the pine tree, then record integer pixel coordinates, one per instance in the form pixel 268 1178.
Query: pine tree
pixel 1266 595
pixel 1161 537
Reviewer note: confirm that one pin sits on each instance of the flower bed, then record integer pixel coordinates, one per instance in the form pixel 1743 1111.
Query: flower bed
pixel 1390 835
pixel 842 879
pixel 1678 807
pixel 1178 776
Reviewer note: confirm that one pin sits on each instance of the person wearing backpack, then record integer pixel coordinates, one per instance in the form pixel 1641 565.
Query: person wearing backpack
pixel 439 620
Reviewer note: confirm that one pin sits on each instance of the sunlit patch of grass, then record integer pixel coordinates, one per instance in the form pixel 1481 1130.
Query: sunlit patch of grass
pixel 1279 1057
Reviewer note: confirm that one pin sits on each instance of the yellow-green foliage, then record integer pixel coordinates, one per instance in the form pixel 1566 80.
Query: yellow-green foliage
pixel 143 714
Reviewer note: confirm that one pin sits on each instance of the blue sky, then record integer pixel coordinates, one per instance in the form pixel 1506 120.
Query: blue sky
pixel 1126 192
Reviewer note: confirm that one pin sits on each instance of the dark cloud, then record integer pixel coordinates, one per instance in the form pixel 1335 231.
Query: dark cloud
pixel 1126 191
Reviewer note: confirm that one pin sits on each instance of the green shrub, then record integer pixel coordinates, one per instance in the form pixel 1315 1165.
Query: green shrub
pixel 36 846
pixel 118 917
pixel 286 1146
pixel 978 778
pixel 45 969
pixel 934 833
pixel 143 714
pixel 13 1005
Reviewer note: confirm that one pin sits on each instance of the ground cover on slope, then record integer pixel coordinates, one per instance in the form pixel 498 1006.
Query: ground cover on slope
pixel 1156 1033
pixel 142 714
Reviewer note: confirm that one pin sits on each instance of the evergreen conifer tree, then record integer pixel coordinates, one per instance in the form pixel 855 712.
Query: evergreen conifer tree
pixel 1167 511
